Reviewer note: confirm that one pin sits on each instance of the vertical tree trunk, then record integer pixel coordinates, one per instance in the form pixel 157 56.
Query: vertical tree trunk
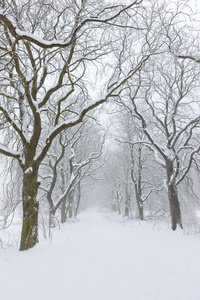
pixel 118 203
pixel 126 211
pixel 63 211
pixel 138 194
pixel 70 211
pixel 174 204
pixel 78 198
pixel 127 208
pixel 140 207
pixel 29 234
pixel 139 186
pixel 127 203
pixel 141 211
pixel 52 220
pixel 71 205
pixel 137 180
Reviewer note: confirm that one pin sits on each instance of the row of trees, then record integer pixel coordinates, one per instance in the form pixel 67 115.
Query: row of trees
pixel 62 59
pixel 159 135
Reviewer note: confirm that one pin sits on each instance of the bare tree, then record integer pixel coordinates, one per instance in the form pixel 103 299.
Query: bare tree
pixel 64 169
pixel 168 125
pixel 140 163
pixel 163 95
pixel 44 72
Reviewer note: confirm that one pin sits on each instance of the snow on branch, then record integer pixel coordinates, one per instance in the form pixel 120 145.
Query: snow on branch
pixel 192 123
pixel 78 119
pixel 37 40
pixel 189 57
pixel 67 190
pixel 6 151
pixel 195 151
pixel 13 124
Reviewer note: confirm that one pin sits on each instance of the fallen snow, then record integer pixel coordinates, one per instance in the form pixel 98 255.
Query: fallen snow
pixel 101 259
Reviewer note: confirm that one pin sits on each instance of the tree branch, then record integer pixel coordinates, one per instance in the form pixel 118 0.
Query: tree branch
pixel 22 35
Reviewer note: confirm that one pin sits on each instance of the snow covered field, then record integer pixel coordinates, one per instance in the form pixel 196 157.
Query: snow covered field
pixel 101 259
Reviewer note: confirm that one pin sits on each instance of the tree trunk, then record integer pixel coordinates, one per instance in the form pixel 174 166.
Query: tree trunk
pixel 174 207
pixel 78 198
pixel 138 194
pixel 127 204
pixel 70 211
pixel 63 211
pixel 118 204
pixel 127 208
pixel 140 207
pixel 137 180
pixel 71 205
pixel 141 211
pixel 29 234
pixel 52 220
pixel 139 186
pixel 126 211
pixel 174 204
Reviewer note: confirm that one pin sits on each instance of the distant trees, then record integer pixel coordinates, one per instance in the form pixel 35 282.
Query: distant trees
pixel 133 176
pixel 163 96
pixel 66 164
pixel 117 177
pixel 171 128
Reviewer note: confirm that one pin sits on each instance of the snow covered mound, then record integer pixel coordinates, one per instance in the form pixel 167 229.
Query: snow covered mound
pixel 99 259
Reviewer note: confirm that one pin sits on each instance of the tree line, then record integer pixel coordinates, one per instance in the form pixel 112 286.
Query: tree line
pixel 61 61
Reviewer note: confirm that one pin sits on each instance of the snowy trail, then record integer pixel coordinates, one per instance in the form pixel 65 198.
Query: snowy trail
pixel 98 259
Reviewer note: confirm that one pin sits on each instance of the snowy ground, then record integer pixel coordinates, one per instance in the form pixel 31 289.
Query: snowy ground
pixel 101 259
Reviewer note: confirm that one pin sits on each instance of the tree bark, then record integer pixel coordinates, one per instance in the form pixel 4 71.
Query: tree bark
pixel 141 211
pixel 63 211
pixel 139 202
pixel 71 204
pixel 52 220
pixel 78 198
pixel 174 204
pixel 138 194
pixel 29 234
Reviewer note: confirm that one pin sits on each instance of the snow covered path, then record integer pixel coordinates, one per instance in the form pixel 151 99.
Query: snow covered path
pixel 99 259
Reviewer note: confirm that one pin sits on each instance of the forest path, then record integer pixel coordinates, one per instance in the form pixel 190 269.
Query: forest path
pixel 99 259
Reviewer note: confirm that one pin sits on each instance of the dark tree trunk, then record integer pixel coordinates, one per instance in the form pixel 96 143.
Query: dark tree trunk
pixel 141 211
pixel 139 201
pixel 174 204
pixel 29 234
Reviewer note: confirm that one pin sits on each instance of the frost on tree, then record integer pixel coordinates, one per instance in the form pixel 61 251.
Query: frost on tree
pixel 44 72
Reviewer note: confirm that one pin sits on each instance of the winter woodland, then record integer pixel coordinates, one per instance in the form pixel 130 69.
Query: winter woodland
pixel 99 106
